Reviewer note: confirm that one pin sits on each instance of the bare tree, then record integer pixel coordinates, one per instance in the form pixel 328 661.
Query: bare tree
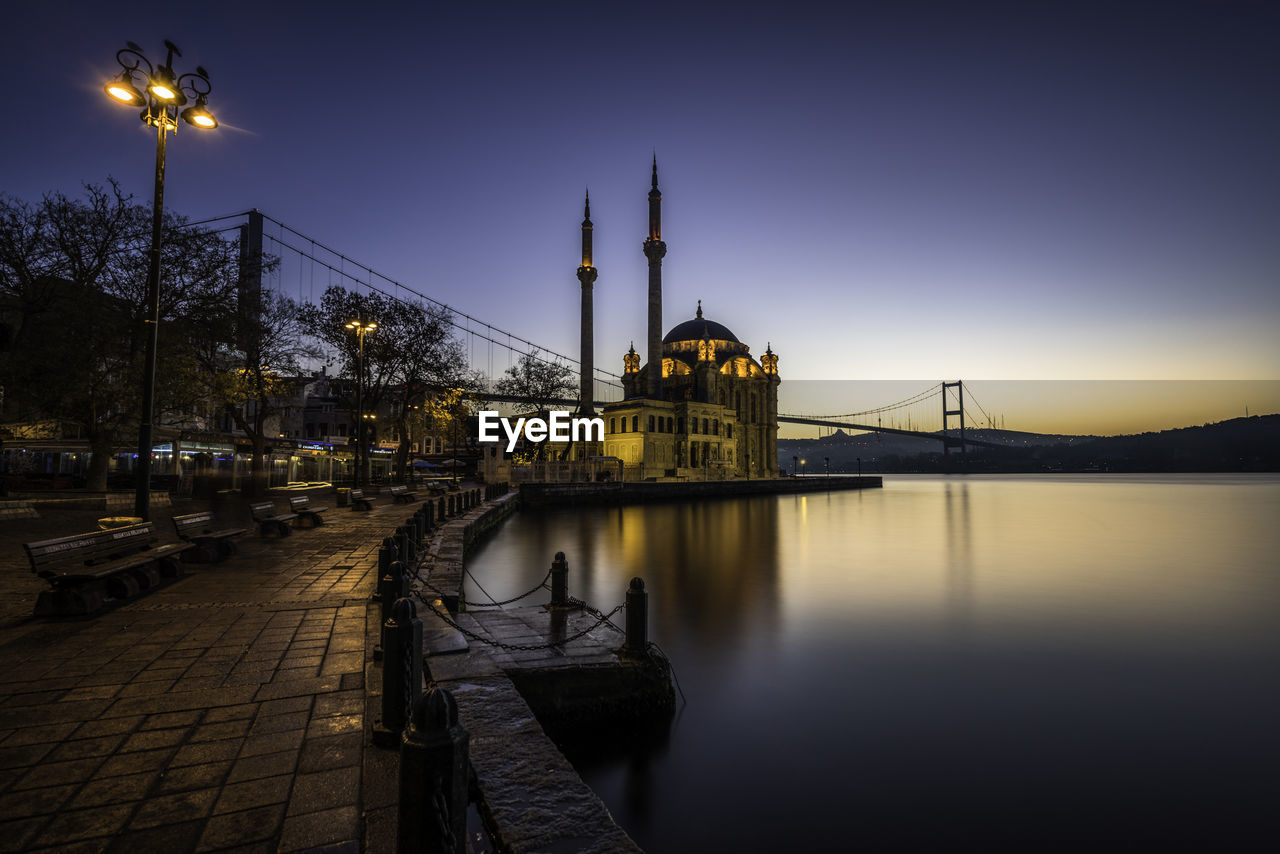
pixel 72 300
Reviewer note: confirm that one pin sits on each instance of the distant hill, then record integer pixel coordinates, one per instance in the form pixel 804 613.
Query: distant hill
pixel 1241 444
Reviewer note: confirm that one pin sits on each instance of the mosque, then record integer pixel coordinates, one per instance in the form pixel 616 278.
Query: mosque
pixel 700 407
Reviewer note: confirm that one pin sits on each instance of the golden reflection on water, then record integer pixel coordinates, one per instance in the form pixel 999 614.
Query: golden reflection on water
pixel 965 557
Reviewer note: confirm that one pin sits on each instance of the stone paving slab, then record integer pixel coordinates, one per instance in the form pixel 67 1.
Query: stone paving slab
pixel 224 711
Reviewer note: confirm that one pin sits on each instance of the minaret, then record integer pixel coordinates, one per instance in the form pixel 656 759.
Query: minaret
pixel 654 250
pixel 587 276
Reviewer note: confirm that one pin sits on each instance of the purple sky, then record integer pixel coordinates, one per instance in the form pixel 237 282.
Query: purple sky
pixel 1017 190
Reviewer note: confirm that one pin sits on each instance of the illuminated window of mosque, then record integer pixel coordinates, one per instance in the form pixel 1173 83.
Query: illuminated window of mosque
pixel 624 424
pixel 613 425
pixel 635 423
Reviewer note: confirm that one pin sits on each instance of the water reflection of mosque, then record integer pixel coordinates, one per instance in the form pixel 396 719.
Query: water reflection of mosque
pixel 711 567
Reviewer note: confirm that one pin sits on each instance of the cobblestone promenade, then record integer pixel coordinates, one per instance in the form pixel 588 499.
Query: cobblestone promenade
pixel 224 711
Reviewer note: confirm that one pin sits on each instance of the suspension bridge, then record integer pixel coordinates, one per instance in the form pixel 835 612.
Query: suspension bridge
pixel 305 267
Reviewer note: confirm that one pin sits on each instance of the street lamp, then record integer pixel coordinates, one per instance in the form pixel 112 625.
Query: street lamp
pixel 802 468
pixel 360 328
pixel 164 94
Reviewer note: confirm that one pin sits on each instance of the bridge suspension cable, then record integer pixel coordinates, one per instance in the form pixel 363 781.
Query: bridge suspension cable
pixel 915 398
pixel 481 328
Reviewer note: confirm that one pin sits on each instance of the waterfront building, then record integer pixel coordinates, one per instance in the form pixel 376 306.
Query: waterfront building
pixel 709 411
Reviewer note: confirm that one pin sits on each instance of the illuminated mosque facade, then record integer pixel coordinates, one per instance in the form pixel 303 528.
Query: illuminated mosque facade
pixel 710 412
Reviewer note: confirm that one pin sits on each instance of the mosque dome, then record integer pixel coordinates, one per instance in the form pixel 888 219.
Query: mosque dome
pixel 699 328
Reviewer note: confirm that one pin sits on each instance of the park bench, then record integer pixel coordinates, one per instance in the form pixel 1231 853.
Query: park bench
pixel 212 543
pixel 401 494
pixel 264 513
pixel 360 501
pixel 85 569
pixel 301 504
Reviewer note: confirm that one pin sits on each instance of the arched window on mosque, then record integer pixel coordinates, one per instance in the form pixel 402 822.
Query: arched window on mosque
pixel 728 431
pixel 693 425
pixel 651 428
pixel 705 425
pixel 613 425
pixel 715 426
pixel 635 423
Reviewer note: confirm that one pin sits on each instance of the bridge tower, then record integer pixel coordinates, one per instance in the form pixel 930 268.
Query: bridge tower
pixel 655 250
pixel 587 276
pixel 958 385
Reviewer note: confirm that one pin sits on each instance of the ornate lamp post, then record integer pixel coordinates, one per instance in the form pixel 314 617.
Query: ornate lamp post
pixel 164 94
pixel 360 328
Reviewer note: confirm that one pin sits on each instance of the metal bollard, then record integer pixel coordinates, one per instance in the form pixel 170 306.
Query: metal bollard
pixel 394 586
pixel 429 509
pixel 401 664
pixel 559 581
pixel 434 776
pixel 404 540
pixel 414 524
pixel 386 554
pixel 637 642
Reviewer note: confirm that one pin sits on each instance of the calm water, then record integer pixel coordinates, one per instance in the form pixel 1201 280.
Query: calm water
pixel 995 662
